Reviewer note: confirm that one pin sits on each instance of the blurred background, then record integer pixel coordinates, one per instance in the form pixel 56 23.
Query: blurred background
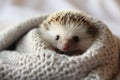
pixel 106 10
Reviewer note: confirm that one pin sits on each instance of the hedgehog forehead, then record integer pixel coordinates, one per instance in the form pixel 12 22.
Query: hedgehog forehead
pixel 68 30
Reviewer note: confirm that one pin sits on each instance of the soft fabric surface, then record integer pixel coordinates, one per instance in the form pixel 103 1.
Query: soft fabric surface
pixel 33 59
pixel 106 10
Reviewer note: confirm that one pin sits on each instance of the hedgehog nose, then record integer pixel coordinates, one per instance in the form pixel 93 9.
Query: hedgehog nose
pixel 65 47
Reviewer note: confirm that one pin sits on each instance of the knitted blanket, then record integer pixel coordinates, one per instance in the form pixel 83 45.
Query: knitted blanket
pixel 25 56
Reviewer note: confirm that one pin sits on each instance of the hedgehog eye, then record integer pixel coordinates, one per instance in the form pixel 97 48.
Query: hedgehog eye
pixel 57 37
pixel 76 38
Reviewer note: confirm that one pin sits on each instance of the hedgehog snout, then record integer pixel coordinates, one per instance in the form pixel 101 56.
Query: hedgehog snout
pixel 65 46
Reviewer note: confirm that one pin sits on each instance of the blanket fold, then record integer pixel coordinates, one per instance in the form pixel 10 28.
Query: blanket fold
pixel 33 59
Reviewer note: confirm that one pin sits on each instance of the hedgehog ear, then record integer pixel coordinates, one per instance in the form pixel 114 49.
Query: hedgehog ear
pixel 45 26
pixel 92 30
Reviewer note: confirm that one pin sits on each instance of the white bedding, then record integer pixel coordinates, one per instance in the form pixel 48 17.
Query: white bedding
pixel 106 10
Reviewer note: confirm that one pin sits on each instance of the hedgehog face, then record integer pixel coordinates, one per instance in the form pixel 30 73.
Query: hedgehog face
pixel 68 38
pixel 69 31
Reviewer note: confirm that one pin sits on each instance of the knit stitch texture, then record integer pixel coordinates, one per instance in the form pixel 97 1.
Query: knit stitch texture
pixel 33 59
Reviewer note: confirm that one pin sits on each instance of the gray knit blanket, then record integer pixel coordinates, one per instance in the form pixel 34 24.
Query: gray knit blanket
pixel 25 56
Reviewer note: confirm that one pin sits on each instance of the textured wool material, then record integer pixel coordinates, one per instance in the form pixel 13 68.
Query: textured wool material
pixel 32 59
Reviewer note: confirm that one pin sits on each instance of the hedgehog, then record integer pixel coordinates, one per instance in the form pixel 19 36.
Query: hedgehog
pixel 68 32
